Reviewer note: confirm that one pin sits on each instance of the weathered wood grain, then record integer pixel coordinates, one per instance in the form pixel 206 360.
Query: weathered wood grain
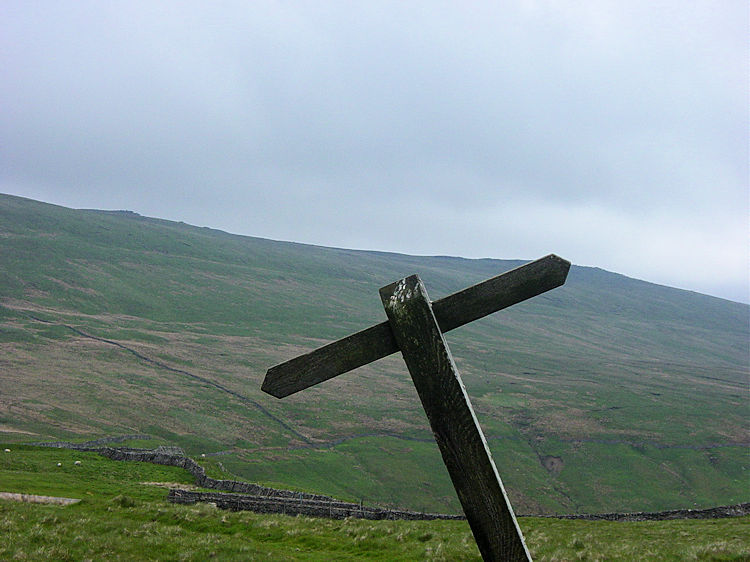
pixel 451 416
pixel 502 291
pixel 455 310
pixel 330 360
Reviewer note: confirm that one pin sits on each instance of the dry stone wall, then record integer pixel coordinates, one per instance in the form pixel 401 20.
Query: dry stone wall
pixel 299 505
pixel 168 457
pixel 253 497
pixel 737 510
pixel 88 445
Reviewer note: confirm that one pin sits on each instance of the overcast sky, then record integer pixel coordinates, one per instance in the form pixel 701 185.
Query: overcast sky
pixel 614 134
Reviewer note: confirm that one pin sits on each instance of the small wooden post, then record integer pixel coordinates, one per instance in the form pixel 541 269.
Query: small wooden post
pixel 370 344
pixel 415 327
pixel 457 432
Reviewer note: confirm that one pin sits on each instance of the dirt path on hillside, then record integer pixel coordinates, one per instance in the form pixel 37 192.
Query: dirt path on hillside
pixel 203 380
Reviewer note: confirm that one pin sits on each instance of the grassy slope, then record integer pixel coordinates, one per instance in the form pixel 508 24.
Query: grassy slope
pixel 121 518
pixel 607 394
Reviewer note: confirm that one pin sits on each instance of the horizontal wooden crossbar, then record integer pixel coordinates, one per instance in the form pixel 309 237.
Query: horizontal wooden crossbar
pixel 455 310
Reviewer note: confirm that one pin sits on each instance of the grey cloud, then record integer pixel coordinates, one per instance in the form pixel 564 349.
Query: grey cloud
pixel 303 121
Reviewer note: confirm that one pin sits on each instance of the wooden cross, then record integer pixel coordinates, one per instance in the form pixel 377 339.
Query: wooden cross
pixel 416 326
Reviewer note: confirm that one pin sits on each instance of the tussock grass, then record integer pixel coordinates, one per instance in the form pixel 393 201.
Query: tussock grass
pixel 121 518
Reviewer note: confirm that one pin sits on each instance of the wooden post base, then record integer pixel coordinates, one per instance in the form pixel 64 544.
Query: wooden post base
pixel 458 435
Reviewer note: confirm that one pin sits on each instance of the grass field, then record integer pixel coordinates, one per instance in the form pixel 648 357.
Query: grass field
pixel 124 516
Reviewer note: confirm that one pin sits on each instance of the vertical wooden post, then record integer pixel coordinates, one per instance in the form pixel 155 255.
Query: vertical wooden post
pixel 458 435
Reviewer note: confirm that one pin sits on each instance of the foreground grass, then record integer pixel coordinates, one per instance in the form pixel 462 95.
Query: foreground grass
pixel 128 529
pixel 120 518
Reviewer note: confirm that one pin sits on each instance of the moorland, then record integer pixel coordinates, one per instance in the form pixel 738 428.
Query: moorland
pixel 607 394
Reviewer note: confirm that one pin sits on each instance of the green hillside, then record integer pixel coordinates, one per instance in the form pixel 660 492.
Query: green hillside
pixel 608 394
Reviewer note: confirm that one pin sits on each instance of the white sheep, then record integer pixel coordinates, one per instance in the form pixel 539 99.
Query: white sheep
pixel 77 463
pixel 59 464
pixel 7 450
